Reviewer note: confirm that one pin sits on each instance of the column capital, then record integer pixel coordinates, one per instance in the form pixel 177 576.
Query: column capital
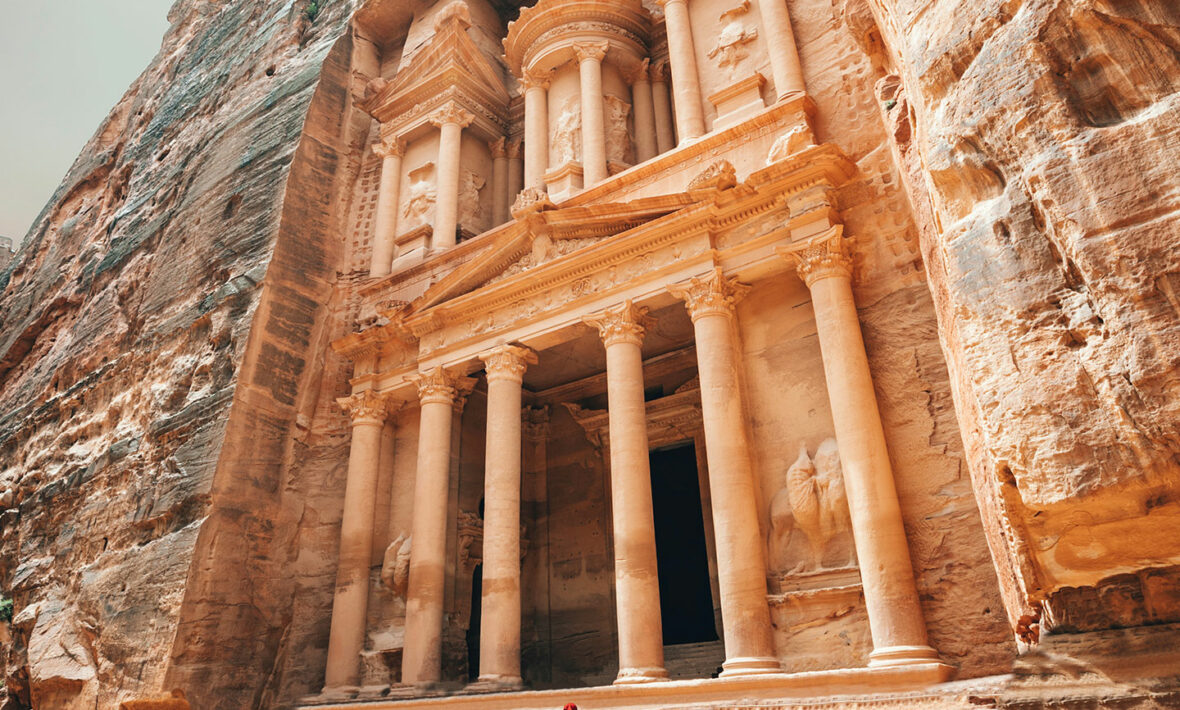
pixel 712 295
pixel 666 3
pixel 624 323
pixel 531 79
pixel 820 257
pixel 535 422
pixel 638 73
pixel 659 72
pixel 390 147
pixel 499 148
pixel 591 50
pixel 464 386
pixel 508 362
pixel 438 385
pixel 366 407
pixel 452 113
pixel 513 149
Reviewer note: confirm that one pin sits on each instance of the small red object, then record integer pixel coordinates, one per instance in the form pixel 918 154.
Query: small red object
pixel 570 706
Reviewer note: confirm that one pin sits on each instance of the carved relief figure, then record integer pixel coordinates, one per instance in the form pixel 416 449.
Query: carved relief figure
pixel 790 143
pixel 421 196
pixel 731 49
pixel 395 565
pixel 810 527
pixel 618 136
pixel 567 134
pixel 470 211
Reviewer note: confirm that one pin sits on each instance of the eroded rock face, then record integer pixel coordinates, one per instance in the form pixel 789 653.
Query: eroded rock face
pixel 1038 134
pixel 124 324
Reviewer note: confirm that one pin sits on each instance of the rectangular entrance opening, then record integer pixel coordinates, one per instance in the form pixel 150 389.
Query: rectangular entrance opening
pixel 686 599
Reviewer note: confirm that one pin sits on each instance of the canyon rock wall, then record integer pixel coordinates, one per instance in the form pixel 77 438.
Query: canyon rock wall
pixel 1037 136
pixel 166 295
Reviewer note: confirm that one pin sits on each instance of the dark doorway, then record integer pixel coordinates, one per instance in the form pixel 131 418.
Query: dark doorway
pixel 686 601
pixel 473 627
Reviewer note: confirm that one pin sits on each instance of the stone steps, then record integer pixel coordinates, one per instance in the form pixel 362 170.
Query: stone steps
pixel 685 661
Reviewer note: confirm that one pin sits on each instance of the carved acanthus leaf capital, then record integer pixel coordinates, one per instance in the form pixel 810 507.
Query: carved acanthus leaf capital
pixel 712 295
pixel 436 385
pixel 659 72
pixel 591 50
pixel 535 422
pixel 625 323
pixel 366 407
pixel 638 73
pixel 535 80
pixel 389 148
pixel 499 148
pixel 514 149
pixel 508 362
pixel 454 114
pixel 821 257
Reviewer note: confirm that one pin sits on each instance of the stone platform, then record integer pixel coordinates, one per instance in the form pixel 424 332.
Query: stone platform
pixel 890 685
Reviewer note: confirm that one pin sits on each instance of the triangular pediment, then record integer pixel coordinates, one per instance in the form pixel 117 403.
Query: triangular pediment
pixel 544 237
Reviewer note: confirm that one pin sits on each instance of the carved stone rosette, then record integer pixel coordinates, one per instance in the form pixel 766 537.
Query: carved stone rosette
pixel 438 385
pixel 822 257
pixel 712 295
pixel 508 362
pixel 366 407
pixel 452 113
pixel 625 323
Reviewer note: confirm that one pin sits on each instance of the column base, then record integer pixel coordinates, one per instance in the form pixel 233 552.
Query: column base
pixel 495 684
pixel 334 693
pixel 635 676
pixel 902 656
pixel 750 665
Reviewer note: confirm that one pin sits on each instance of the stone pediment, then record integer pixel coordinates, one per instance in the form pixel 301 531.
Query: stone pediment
pixel 546 236
pixel 450 63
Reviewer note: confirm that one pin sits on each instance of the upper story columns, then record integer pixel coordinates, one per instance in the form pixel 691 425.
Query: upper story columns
pixel 590 56
pixel 780 42
pixel 536 129
pixel 686 82
pixel 391 152
pixel 451 119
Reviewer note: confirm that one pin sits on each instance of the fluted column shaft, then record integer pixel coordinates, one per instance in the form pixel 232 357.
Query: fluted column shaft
pixel 385 229
pixel 686 82
pixel 500 197
pixel 346 636
pixel 422 655
pixel 637 588
pixel 891 597
pixel 780 44
pixel 536 130
pixel 590 55
pixel 741 567
pixel 451 120
pixel 499 640
pixel 662 106
pixel 645 117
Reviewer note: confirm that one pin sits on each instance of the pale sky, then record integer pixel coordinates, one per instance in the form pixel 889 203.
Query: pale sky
pixel 64 64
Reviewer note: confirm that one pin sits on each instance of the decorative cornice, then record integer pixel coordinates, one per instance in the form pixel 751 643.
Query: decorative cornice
pixel 821 257
pixel 712 295
pixel 625 323
pixel 454 114
pixel 366 407
pixel 591 50
pixel 436 385
pixel 508 362
pixel 498 148
pixel 390 147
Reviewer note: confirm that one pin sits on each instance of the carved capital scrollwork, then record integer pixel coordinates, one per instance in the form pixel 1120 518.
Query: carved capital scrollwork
pixel 638 73
pixel 499 148
pixel 515 149
pixel 366 407
pixel 436 385
pixel 454 114
pixel 712 295
pixel 508 362
pixel 535 80
pixel 625 323
pixel 824 256
pixel 535 422
pixel 591 50
pixel 390 148
pixel 659 72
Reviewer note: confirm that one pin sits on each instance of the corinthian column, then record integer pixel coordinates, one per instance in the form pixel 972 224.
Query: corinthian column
pixel 536 129
pixel 891 597
pixel 422 655
pixel 499 639
pixel 686 83
pixel 451 120
pixel 741 568
pixel 780 43
pixel 500 198
pixel 590 56
pixel 662 105
pixel 637 587
pixel 645 117
pixel 346 637
pixel 385 230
